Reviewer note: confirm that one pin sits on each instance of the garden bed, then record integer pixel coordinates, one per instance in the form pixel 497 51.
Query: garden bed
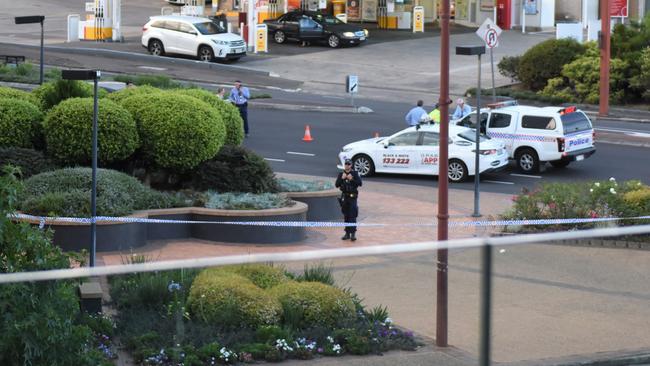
pixel 323 205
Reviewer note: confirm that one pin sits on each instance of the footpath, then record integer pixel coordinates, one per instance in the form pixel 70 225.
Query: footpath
pixel 552 305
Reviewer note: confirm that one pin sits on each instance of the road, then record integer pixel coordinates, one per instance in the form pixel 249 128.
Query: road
pixel 277 136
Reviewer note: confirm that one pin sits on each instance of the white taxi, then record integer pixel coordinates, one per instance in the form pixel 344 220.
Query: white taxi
pixel 416 151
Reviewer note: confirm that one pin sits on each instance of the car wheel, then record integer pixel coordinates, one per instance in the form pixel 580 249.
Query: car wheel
pixel 156 48
pixel 333 41
pixel 279 37
pixel 205 54
pixel 363 165
pixel 560 163
pixel 527 161
pixel 457 171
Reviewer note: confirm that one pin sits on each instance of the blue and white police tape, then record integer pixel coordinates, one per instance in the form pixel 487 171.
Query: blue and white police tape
pixel 312 224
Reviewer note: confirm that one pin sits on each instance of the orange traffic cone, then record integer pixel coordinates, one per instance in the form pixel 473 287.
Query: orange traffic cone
pixel 307 136
pixel 376 134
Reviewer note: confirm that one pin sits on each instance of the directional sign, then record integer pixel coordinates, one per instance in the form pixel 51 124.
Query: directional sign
pixel 489 33
pixel 352 84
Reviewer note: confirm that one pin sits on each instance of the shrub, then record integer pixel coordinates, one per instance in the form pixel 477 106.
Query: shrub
pixel 66 192
pixel 262 275
pixel 545 61
pixel 230 114
pixel 318 273
pixel 121 95
pixel 52 93
pixel 6 92
pixel 29 161
pixel 257 350
pixel 292 185
pixel 637 201
pixel 235 169
pixel 581 78
pixel 270 333
pixel 323 305
pixel 177 131
pixel 149 290
pixel 641 80
pixel 231 300
pixel 247 201
pixel 509 67
pixel 68 131
pixel 157 81
pixel 19 123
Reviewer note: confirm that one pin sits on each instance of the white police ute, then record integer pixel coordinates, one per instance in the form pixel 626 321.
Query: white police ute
pixel 534 135
pixel 416 151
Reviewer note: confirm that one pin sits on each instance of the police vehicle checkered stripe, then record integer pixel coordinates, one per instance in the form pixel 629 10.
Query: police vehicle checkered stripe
pixel 514 136
pixel 325 224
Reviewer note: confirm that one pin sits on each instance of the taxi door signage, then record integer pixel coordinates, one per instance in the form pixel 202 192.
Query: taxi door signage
pixel 418 19
pixel 261 38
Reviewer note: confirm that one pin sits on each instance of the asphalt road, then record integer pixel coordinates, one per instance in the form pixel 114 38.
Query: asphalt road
pixel 277 136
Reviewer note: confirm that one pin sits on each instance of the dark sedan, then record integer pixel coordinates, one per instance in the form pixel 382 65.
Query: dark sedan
pixel 311 26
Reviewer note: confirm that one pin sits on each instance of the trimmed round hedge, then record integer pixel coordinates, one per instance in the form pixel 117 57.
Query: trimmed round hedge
pixel 230 300
pixel 261 275
pixel 120 95
pixel 322 305
pixel 177 131
pixel 68 131
pixel 6 92
pixel 545 60
pixel 230 114
pixel 19 122
pixel 52 93
pixel 66 192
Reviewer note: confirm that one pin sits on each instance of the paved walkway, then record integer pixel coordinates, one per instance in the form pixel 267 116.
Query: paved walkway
pixel 552 304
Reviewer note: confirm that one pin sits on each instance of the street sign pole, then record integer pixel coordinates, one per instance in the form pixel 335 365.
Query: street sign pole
pixel 494 90
pixel 489 32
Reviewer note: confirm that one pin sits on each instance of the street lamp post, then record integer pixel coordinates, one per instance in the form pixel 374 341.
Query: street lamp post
pixel 90 75
pixel 470 51
pixel 34 19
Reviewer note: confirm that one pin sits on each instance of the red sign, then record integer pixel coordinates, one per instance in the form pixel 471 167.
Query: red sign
pixel 618 8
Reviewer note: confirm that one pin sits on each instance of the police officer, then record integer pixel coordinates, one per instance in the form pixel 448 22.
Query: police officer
pixel 348 181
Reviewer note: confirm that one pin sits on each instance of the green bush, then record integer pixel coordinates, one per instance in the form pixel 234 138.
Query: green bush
pixel 270 333
pixel 68 131
pixel 177 131
pixel 19 122
pixel 262 275
pixel 317 273
pixel 7 92
pixel 157 81
pixel 247 201
pixel 39 319
pixel 322 305
pixel 231 300
pixel 545 61
pixel 641 80
pixel 149 290
pixel 121 95
pixel 292 185
pixel 230 114
pixel 234 169
pixel 29 161
pixel 637 201
pixel 54 92
pixel 257 350
pixel 509 67
pixel 66 192
pixel 580 79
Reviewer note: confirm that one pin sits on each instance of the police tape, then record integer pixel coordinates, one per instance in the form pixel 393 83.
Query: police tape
pixel 325 224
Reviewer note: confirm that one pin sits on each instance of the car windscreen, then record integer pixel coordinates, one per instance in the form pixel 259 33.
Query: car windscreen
pixel 575 122
pixel 209 28
pixel 326 19
pixel 471 136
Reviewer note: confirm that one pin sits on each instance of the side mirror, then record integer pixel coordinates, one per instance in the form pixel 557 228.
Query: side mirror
pixel 193 32
pixel 386 144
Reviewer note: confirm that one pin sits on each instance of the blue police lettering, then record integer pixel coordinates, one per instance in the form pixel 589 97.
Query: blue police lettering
pixel 579 141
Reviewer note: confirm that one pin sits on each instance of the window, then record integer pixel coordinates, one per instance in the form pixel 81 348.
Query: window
pixel 327 19
pixel 500 120
pixel 575 122
pixel 186 28
pixel 170 25
pixel 405 139
pixel 470 120
pixel 290 17
pixel 471 136
pixel 430 139
pixel 538 123
pixel 307 23
pixel 158 24
pixel 209 28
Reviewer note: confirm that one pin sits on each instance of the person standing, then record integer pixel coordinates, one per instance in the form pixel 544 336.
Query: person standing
pixel 349 181
pixel 221 93
pixel 462 109
pixel 414 116
pixel 435 113
pixel 239 96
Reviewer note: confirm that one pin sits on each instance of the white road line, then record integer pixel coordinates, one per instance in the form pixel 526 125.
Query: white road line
pixel 300 153
pixel 626 131
pixel 526 175
pixel 152 68
pixel 278 160
pixel 498 182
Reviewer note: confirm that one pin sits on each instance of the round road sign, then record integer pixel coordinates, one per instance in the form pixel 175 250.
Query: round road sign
pixel 491 38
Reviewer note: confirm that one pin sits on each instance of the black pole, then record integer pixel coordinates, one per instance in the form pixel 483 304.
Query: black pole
pixel 93 197
pixel 486 304
pixel 42 36
pixel 478 136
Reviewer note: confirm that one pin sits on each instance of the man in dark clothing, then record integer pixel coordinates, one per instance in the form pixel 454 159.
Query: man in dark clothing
pixel 348 181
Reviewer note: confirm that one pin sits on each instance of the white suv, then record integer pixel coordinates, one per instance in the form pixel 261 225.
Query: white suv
pixel 194 36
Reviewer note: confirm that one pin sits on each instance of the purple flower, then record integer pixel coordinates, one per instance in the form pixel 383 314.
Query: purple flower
pixel 320 350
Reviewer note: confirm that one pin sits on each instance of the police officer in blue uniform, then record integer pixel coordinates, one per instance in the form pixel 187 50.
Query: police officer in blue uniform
pixel 348 181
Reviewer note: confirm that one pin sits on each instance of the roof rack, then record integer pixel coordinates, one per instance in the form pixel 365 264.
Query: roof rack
pixel 505 103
